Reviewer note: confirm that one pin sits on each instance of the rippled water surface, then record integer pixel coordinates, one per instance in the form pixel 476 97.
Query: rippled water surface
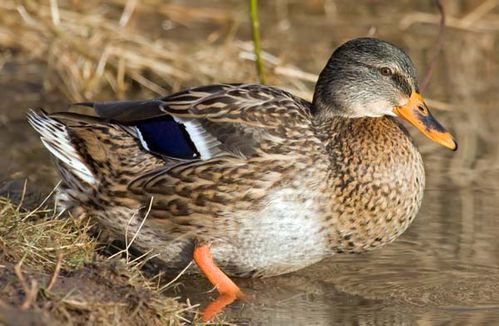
pixel 445 268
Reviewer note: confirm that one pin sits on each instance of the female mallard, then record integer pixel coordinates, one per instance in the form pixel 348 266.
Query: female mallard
pixel 262 181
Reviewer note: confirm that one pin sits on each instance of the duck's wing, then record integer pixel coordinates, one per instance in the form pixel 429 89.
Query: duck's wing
pixel 215 119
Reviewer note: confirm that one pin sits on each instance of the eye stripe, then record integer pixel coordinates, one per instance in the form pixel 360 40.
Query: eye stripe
pixel 399 80
pixel 402 83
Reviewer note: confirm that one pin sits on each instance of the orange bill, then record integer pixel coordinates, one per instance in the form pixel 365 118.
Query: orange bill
pixel 416 113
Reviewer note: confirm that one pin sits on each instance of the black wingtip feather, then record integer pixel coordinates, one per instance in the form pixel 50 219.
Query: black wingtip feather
pixel 126 111
pixel 89 104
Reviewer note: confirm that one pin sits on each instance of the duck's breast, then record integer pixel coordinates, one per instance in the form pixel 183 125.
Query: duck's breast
pixel 376 184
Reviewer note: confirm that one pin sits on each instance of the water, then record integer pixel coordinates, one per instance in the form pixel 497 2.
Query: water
pixel 445 268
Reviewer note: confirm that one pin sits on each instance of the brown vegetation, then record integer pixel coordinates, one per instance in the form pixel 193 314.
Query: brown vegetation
pixel 52 275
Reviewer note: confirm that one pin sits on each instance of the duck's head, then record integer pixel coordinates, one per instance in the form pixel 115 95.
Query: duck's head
pixel 366 77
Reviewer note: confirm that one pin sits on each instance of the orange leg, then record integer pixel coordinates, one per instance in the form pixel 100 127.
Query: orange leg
pixel 228 290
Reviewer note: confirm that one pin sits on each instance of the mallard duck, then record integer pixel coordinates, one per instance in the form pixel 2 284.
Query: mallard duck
pixel 249 180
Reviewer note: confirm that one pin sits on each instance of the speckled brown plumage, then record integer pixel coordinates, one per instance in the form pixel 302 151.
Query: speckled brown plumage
pixel 378 180
pixel 284 184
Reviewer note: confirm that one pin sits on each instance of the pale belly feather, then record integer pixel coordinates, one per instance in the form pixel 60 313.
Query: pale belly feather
pixel 282 237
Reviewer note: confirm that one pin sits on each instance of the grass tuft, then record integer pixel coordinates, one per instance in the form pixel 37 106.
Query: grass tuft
pixel 37 239
pixel 52 275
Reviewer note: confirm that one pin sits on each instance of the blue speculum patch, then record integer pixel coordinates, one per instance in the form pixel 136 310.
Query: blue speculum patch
pixel 165 136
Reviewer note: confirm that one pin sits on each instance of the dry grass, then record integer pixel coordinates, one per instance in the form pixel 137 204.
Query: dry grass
pixel 52 275
pixel 71 41
pixel 90 48
pixel 36 238
pixel 87 50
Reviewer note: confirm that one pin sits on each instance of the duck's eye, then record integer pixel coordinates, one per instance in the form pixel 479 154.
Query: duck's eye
pixel 385 71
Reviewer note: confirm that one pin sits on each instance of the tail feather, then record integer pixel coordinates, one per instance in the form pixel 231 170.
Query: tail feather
pixel 57 139
pixel 92 154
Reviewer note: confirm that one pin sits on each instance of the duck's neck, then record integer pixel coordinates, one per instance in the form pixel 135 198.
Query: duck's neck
pixel 376 180
pixel 383 136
